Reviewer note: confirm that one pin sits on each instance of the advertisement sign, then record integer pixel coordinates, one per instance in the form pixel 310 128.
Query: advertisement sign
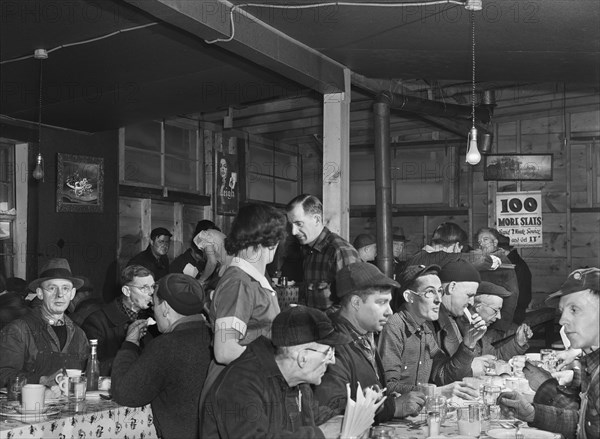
pixel 519 216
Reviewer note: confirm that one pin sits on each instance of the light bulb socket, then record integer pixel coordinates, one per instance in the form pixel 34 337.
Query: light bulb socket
pixel 40 54
pixel 474 5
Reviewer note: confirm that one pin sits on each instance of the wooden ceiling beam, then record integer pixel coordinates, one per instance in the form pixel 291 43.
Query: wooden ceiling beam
pixel 253 40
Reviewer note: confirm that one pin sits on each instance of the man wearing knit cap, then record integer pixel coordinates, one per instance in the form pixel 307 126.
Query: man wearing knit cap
pixel 579 303
pixel 365 308
pixel 488 304
pixel 408 346
pixel 460 281
pixel 42 342
pixel 170 371
pixel 366 246
pixel 266 392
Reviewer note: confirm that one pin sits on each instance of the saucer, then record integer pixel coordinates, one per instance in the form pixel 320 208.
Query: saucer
pixel 15 411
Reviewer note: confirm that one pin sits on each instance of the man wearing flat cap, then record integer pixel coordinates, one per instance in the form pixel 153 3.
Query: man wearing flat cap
pixel 155 258
pixel 579 303
pixel 366 246
pixel 408 345
pixel 365 294
pixel 266 392
pixel 170 372
pixel 45 340
pixel 488 304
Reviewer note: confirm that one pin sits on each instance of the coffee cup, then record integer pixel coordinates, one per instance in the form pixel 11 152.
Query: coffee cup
pixel 61 379
pixel 32 396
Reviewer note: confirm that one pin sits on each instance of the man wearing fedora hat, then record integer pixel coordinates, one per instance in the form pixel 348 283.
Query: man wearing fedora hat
pixel 266 392
pixel 579 304
pixel 365 294
pixel 398 242
pixel 46 340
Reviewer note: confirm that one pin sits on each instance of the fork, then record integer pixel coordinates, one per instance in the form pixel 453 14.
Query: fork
pixel 518 434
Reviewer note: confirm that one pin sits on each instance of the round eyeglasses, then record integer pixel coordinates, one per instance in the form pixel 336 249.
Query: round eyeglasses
pixel 329 353
pixel 146 289
pixel 429 293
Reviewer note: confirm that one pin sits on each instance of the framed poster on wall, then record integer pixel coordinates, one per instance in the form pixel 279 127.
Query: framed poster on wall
pixel 226 185
pixel 518 167
pixel 79 183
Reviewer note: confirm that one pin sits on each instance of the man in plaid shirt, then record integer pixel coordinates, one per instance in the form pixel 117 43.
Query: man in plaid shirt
pixel 325 253
pixel 553 407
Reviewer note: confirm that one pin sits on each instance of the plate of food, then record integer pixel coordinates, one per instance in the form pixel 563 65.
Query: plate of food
pixel 526 432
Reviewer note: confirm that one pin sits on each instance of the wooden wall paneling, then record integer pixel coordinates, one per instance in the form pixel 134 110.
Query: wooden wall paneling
pixel 585 245
pixel 145 221
pixel 190 217
pixel 585 122
pixel 177 244
pixel 412 226
pixel 548 274
pixel 506 140
pixel 209 173
pixel 130 229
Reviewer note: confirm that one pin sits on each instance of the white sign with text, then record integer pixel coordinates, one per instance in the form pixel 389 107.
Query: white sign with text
pixel 519 216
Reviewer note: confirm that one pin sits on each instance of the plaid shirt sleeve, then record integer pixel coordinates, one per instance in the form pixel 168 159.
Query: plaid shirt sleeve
pixel 557 420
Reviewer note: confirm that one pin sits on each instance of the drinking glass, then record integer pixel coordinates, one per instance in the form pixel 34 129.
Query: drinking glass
pixel 491 394
pixel 436 404
pixel 469 420
pixel 518 363
pixel 428 390
pixel 76 388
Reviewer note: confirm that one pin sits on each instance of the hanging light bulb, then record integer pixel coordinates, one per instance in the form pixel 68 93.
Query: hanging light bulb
pixel 473 155
pixel 38 172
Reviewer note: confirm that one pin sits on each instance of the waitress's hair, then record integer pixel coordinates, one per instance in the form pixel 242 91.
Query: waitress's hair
pixel 449 233
pixel 254 225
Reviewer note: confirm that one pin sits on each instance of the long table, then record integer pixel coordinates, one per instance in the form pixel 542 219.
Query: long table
pixel 92 419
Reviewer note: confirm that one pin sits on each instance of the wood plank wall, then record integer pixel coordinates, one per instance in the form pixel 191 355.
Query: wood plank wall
pixel 540 121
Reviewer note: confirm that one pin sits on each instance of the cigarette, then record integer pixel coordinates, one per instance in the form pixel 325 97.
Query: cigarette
pixel 468 315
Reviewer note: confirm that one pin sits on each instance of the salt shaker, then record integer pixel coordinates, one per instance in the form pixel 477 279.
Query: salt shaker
pixel 434 420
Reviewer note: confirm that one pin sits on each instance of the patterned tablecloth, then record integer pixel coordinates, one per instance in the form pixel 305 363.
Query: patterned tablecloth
pixel 92 419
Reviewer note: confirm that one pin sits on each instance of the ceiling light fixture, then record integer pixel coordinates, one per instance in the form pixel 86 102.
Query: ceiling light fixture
pixel 473 155
pixel 38 172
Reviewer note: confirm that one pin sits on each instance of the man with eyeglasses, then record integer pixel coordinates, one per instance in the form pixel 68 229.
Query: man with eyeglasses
pixel 155 258
pixel 267 391
pixel 408 345
pixel 109 324
pixel 365 294
pixel 42 342
pixel 488 304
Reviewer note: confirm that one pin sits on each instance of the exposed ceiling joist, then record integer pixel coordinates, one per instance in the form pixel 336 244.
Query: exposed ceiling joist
pixel 253 40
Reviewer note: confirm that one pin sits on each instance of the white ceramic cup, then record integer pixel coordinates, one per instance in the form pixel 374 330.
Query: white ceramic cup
pixel 33 397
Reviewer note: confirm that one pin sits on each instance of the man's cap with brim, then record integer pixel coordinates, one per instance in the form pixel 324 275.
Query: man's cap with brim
pixel 363 240
pixel 413 272
pixel 301 324
pixel 360 276
pixel 459 271
pixel 579 280
pixel 492 289
pixel 56 268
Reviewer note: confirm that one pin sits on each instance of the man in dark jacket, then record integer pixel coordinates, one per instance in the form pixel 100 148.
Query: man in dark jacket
pixel 109 324
pixel 266 392
pixel 170 372
pixel 155 258
pixel 42 342
pixel 365 308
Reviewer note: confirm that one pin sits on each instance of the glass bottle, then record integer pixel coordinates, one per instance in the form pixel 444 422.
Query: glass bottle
pixel 92 370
